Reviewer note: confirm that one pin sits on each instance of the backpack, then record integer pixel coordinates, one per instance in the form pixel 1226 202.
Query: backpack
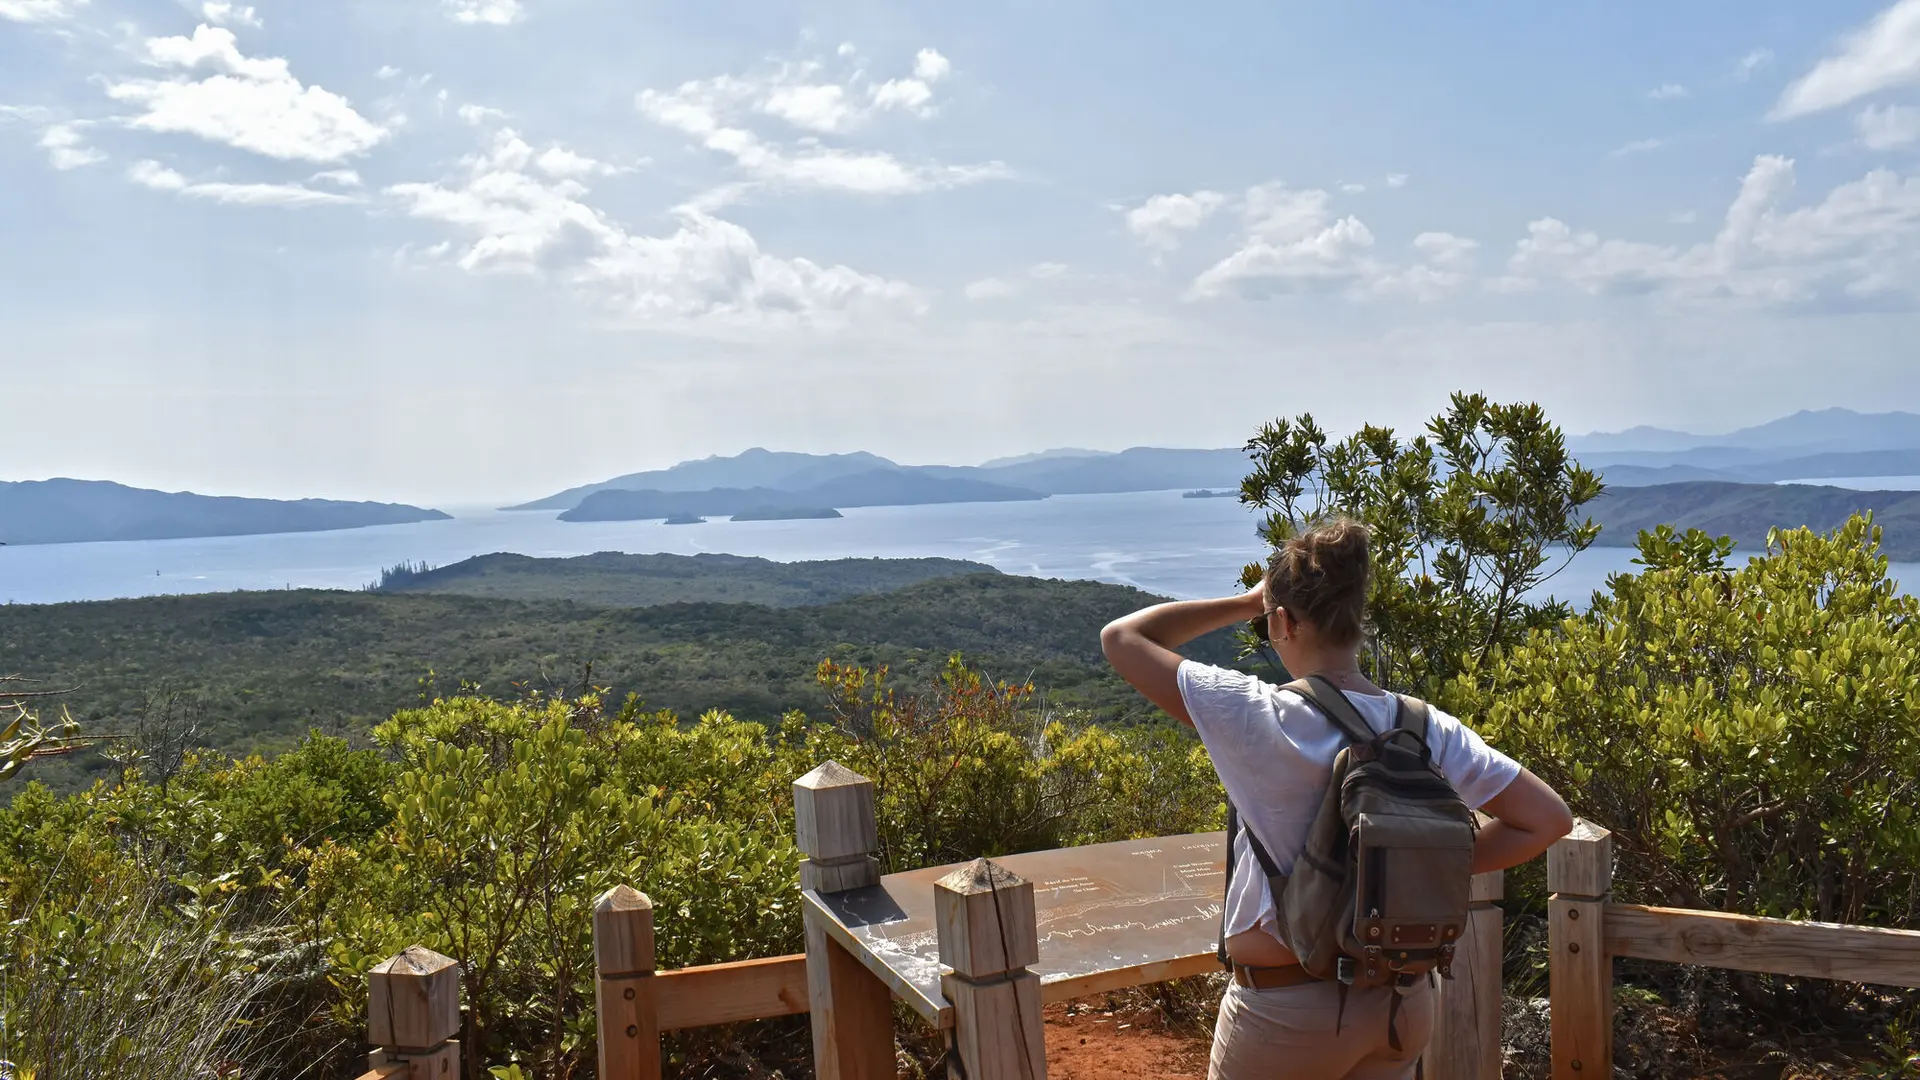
pixel 1379 895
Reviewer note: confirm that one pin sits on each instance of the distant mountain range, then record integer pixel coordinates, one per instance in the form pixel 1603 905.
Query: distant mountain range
pixel 760 477
pixel 1830 443
pixel 73 511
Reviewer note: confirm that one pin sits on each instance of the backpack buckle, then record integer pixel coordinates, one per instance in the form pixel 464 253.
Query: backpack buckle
pixel 1445 964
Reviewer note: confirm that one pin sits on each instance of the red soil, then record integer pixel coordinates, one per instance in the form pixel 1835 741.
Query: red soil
pixel 1088 1041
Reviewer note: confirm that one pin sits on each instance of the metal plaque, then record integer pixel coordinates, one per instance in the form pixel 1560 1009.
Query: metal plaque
pixel 1102 909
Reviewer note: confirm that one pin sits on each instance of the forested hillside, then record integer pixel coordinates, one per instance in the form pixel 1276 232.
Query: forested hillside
pixel 263 668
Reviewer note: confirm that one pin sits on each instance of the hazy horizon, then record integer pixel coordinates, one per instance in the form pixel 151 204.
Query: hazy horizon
pixel 458 252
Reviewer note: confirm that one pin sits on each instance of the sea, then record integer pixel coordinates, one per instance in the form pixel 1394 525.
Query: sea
pixel 1156 541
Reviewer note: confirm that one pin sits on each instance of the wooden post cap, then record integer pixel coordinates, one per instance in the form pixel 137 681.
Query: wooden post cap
pixel 1581 862
pixel 833 813
pixel 413 1000
pixel 623 932
pixel 985 919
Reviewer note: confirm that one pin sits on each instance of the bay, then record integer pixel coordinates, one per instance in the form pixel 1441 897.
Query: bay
pixel 1156 541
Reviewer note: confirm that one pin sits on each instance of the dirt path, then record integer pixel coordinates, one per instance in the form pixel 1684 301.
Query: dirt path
pixel 1087 1041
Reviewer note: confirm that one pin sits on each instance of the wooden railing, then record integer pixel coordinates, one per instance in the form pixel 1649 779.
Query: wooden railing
pixel 986 934
pixel 1586 931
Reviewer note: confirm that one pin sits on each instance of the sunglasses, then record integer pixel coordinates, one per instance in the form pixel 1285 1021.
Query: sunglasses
pixel 1259 625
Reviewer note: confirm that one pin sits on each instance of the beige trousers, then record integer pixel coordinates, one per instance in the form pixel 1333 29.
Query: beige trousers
pixel 1288 1033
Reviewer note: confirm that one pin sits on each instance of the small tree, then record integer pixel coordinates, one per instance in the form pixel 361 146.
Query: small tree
pixel 1469 520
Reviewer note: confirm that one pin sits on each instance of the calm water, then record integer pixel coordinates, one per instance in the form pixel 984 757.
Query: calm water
pixel 1157 541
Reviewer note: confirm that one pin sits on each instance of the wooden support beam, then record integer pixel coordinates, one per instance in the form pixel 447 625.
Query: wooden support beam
pixel 1580 971
pixel 1777 946
pixel 851 1009
pixel 1466 1034
pixel 732 993
pixel 413 1016
pixel 988 936
pixel 624 985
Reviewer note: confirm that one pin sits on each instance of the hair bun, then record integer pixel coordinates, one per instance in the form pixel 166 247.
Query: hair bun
pixel 1321 576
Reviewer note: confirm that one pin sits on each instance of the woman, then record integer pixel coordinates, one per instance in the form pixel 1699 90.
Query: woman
pixel 1274 752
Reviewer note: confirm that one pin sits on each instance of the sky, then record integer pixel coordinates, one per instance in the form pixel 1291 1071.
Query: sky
pixel 448 251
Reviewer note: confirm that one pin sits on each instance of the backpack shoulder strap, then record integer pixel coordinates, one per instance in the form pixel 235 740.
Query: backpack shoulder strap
pixel 1414 716
pixel 1323 695
pixel 1267 866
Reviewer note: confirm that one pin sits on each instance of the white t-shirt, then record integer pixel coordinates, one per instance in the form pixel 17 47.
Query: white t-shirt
pixel 1274 753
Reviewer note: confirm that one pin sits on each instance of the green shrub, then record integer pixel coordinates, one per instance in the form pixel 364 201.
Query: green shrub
pixel 1751 735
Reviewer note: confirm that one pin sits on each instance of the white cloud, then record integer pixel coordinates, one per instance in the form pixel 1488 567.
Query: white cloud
pixel 1353 189
pixel 519 221
pixel 909 95
pixel 1667 92
pixel 66 148
pixel 489 12
pixel 563 164
pixel 387 71
pixel 1328 259
pixel 1862 240
pixel 1293 244
pixel 1397 180
pixel 930 66
pixel 224 13
pixel 988 289
pixel 714 113
pixel 1683 217
pixel 63 140
pixel 1638 146
pixel 479 114
pixel 1444 265
pixel 1446 249
pixel 345 178
pixel 1162 219
pixel 254 105
pixel 152 174
pixel 1047 271
pixel 39 11
pixel 813 107
pixel 1751 63
pixel 1887 127
pixel 1883 54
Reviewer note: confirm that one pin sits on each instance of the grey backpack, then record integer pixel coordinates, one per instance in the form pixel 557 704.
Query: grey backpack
pixel 1379 895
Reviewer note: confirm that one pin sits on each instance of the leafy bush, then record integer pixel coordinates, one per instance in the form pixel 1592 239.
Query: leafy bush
pixel 1751 735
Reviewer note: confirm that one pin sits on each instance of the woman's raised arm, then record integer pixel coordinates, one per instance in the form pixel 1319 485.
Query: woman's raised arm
pixel 1141 646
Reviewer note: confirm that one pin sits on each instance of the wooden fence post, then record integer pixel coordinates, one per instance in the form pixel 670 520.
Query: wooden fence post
pixel 413 1016
pixel 851 1009
pixel 984 916
pixel 624 987
pixel 1466 1038
pixel 1580 972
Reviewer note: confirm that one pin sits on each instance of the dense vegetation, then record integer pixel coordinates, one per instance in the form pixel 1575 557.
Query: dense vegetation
pixel 1747 512
pixel 615 579
pixel 260 669
pixel 70 511
pixel 1750 732
pixel 484 829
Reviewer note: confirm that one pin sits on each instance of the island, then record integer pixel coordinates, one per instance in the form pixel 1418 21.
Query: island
pixel 685 519
pixel 62 511
pixel 1204 493
pixel 877 487
pixel 789 513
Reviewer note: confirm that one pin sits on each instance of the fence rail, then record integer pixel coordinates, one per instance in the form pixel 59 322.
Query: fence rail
pixel 986 929
pixel 1587 931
